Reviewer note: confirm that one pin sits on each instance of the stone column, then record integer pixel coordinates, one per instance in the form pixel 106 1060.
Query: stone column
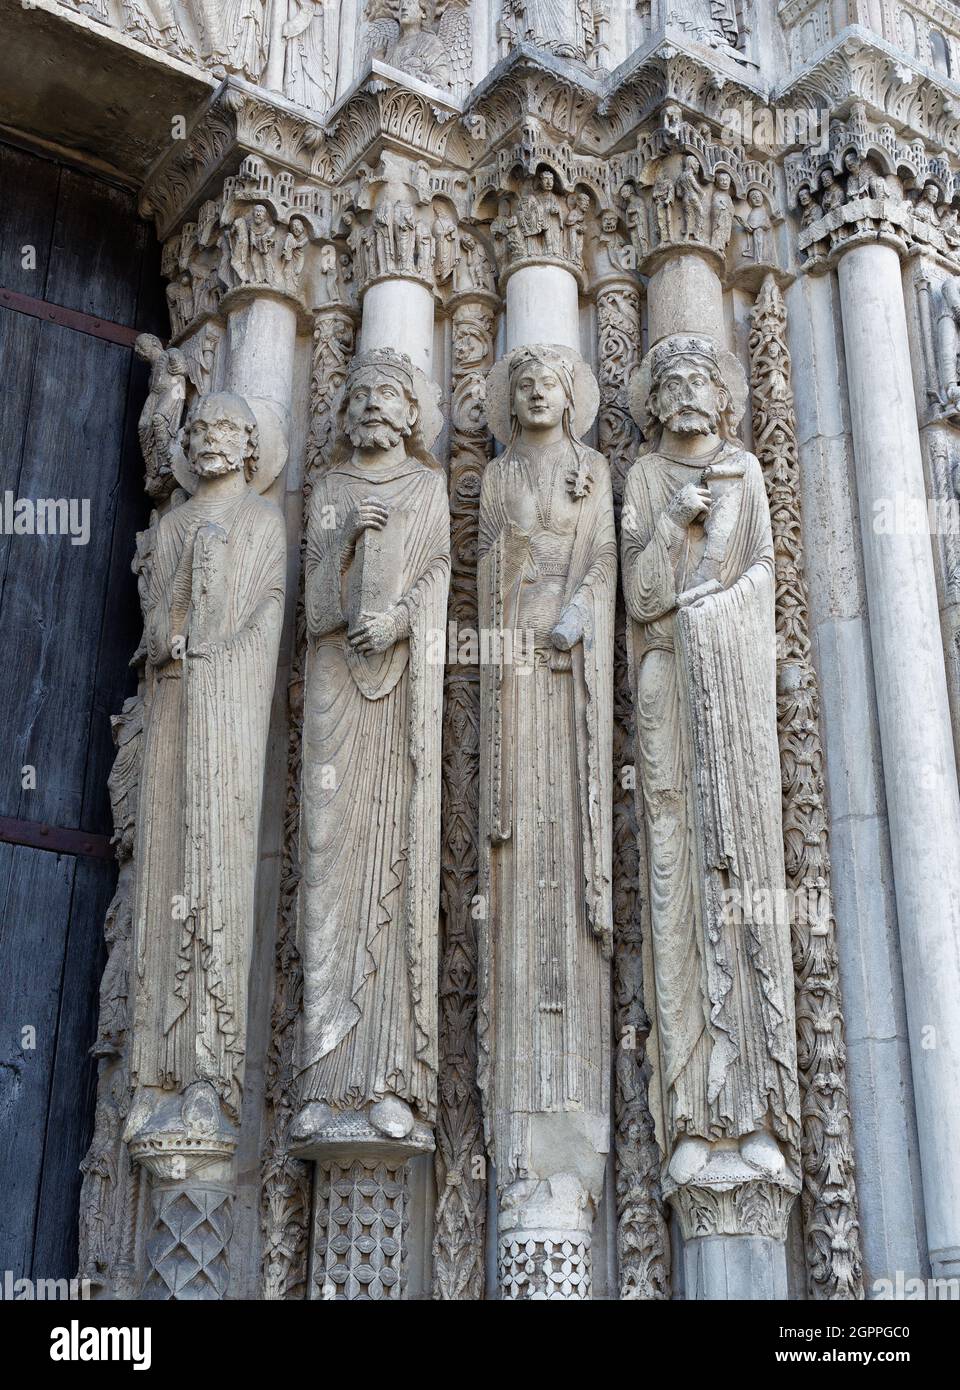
pixel 360 1157
pixel 543 306
pixel 643 1240
pixel 734 1224
pixel 889 1187
pixel 245 260
pixel 915 730
pixel 459 1223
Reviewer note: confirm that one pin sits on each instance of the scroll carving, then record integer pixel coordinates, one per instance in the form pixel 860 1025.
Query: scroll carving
pixel 643 1241
pixel 285 1180
pixel 828 1198
pixel 458 1240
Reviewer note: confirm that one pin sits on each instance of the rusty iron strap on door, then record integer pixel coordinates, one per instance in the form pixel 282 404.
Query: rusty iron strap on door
pixel 69 318
pixel 36 835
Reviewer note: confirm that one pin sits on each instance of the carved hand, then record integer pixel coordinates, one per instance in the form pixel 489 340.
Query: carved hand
pixel 699 591
pixel 568 631
pixel 376 632
pixel 368 514
pixel 687 503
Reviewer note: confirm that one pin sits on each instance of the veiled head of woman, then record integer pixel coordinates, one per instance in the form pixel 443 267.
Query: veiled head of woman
pixel 541 392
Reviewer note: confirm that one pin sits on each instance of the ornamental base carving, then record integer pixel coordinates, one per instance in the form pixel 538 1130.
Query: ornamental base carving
pixel 540 1265
pixel 728 1197
pixel 359 1224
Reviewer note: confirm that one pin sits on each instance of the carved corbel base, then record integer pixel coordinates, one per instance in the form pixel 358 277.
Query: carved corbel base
pixel 360 1196
pixel 186 1146
pixel 733 1221
pixel 544 1239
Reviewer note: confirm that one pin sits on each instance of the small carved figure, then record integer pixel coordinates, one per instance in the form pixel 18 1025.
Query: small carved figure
pixel 664 193
pixel 385 244
pixel 162 413
pixel 445 240
pixel 721 212
pixel 405 232
pixel 758 228
pixel 690 195
pixel 578 205
pixel 294 250
pixel 635 217
pixel 927 206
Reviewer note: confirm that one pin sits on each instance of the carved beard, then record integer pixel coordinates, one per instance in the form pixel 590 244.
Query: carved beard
pixel 378 434
pixel 215 467
pixel 687 419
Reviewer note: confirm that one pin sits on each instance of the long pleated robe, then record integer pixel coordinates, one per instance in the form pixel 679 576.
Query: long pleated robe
pixel 546 801
pixel 370 813
pixel 718 972
pixel 217 578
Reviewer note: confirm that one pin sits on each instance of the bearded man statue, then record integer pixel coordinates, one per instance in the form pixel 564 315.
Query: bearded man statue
pixel 376 579
pixel 698 581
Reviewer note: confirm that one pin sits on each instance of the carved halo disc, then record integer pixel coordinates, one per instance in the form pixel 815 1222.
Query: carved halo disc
pixel 586 392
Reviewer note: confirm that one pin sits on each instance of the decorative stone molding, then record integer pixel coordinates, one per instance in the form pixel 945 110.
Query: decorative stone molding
pixel 869 183
pixel 643 1241
pixel 286 1180
pixel 460 1164
pixel 829 1196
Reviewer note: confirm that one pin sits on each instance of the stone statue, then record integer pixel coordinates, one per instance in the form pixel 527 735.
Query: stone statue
pixel 698 582
pixel 162 412
pixel 377 572
pixel 721 212
pixel 757 228
pixel 690 196
pixel 398 30
pixel 546 583
pixel 309 66
pixel 212 616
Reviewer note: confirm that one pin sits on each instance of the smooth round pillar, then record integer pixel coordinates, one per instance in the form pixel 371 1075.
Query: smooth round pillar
pixel 543 306
pixel 920 774
pixel 684 295
pixel 399 314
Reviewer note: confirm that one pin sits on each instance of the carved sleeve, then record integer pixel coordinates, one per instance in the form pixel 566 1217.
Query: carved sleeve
pixel 323 565
pixel 601 577
pixel 436 560
pixel 650 550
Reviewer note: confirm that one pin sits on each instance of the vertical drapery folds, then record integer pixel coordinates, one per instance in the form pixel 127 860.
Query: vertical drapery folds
pixel 285 1195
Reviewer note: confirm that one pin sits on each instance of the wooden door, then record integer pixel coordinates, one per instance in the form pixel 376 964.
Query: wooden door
pixel 79 273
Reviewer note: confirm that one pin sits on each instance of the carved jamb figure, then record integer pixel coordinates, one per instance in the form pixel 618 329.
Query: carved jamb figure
pixel 546 585
pixel 246 37
pixel 721 212
pixel 690 195
pixel 376 572
pixel 698 582
pixel 162 412
pixel 213 608
pixel 398 30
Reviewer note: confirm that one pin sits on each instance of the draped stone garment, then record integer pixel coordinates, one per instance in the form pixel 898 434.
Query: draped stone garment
pixel 546 800
pixel 719 982
pixel 370 838
pixel 217 577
